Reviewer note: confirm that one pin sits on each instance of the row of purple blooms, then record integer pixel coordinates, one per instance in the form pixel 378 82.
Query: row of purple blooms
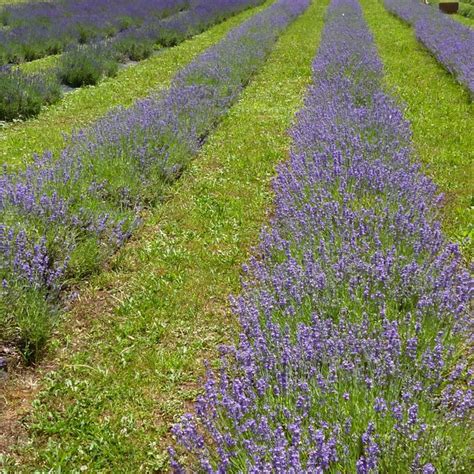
pixel 38 29
pixel 24 94
pixel 354 312
pixel 199 15
pixel 62 215
pixel 451 42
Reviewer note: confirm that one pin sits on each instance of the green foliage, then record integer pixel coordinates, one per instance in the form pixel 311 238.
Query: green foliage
pixel 31 50
pixel 31 314
pixel 125 23
pixel 86 33
pixel 464 14
pixel 466 10
pixel 133 48
pixel 17 52
pixel 23 95
pixel 86 65
pixel 168 38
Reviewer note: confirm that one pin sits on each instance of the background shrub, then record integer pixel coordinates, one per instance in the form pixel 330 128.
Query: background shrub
pixel 168 37
pixel 22 95
pixel 466 9
pixel 86 65
pixel 133 45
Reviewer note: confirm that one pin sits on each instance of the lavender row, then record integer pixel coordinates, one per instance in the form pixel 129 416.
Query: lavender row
pixel 138 43
pixel 64 214
pixel 34 30
pixel 87 64
pixel 450 42
pixel 199 16
pixel 353 315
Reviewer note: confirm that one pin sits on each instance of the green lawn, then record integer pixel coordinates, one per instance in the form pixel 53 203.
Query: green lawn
pixel 42 64
pixel 130 354
pixel 465 20
pixel 19 141
pixel 9 2
pixel 440 113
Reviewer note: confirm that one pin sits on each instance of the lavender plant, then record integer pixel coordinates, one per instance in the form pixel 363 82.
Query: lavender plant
pixel 354 314
pixel 448 40
pixel 134 45
pixel 86 65
pixel 138 42
pixel 64 214
pixel 23 95
pixel 38 29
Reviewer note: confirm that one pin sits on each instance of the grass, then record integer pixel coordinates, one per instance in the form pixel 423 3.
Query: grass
pixel 440 113
pixel 146 325
pixel 10 2
pixel 20 140
pixel 42 64
pixel 464 19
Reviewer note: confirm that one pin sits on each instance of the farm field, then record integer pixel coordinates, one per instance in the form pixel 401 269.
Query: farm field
pixel 249 251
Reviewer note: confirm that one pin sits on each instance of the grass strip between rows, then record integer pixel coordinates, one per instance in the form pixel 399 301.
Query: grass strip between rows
pixel 42 64
pixel 146 324
pixel 464 20
pixel 20 140
pixel 440 113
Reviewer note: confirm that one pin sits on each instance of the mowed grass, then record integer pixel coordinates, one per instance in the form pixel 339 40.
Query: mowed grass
pixel 441 116
pixel 18 141
pixel 465 20
pixel 39 65
pixel 11 2
pixel 130 356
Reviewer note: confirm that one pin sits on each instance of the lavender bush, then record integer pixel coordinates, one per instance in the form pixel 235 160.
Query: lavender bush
pixel 23 95
pixel 137 43
pixel 64 214
pixel 448 40
pixel 200 16
pixel 86 65
pixel 40 28
pixel 351 356
pixel 133 44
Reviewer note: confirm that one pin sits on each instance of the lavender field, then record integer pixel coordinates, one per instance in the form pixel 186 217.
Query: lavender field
pixel 236 237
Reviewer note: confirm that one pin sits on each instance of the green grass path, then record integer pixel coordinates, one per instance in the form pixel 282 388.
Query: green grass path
pixel 41 64
pixel 127 366
pixel 441 116
pixel 464 20
pixel 18 141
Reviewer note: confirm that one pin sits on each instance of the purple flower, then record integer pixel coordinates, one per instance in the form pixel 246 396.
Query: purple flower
pixel 349 312
pixel 448 40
